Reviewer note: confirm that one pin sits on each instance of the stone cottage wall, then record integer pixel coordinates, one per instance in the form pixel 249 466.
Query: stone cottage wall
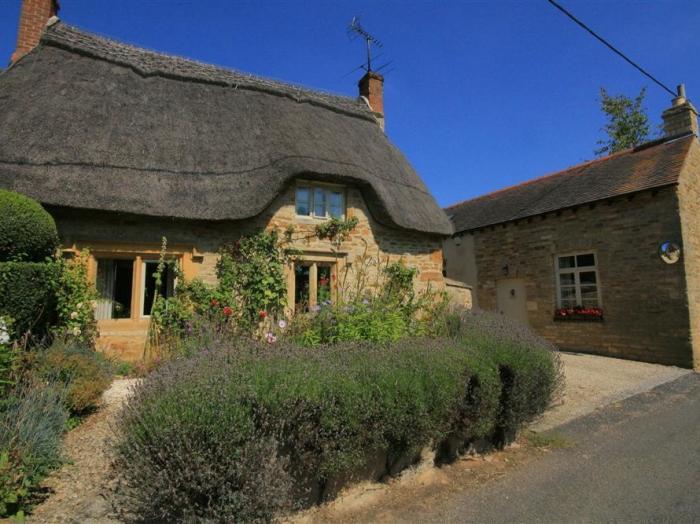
pixel 370 245
pixel 371 240
pixel 689 198
pixel 644 299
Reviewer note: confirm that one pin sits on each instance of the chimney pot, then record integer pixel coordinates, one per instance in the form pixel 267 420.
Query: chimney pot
pixel 32 22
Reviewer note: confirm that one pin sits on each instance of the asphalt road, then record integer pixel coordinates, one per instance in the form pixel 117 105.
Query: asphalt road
pixel 637 461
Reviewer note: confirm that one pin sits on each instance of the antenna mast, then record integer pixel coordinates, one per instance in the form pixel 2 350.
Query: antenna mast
pixel 356 30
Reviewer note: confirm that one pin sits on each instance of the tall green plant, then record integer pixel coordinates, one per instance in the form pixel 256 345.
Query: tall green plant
pixel 75 296
pixel 251 276
pixel 627 122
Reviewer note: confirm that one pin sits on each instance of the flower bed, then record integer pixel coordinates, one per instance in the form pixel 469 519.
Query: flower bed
pixel 246 430
pixel 592 314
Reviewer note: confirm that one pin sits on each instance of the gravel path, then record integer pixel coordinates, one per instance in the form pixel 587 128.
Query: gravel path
pixel 77 489
pixel 593 382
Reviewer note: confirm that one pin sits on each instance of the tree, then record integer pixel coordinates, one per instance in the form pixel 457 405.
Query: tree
pixel 628 124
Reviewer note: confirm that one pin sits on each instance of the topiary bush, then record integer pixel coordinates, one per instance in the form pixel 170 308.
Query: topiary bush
pixel 27 231
pixel 27 295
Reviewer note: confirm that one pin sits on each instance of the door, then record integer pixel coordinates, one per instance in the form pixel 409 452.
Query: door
pixel 511 299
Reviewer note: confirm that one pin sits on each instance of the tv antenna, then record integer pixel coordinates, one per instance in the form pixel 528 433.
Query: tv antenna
pixel 355 30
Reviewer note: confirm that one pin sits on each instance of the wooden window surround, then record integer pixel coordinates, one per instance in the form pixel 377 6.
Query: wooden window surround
pixel 139 253
pixel 314 261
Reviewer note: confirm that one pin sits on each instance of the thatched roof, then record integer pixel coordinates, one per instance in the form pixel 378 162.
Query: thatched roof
pixel 655 164
pixel 91 123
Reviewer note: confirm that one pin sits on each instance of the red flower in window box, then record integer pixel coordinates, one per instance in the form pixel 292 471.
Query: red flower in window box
pixel 578 313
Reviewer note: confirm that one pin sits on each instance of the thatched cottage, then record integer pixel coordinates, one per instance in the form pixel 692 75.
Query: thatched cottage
pixel 602 257
pixel 124 146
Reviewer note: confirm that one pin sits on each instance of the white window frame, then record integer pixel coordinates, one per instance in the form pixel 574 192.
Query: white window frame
pixel 328 190
pixel 576 271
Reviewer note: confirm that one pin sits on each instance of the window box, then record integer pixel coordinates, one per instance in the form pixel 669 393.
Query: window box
pixel 591 314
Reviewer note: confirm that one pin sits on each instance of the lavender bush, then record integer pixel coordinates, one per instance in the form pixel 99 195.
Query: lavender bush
pixel 244 431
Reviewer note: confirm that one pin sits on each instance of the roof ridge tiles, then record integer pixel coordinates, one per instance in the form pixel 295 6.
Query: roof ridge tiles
pixel 149 62
pixel 568 171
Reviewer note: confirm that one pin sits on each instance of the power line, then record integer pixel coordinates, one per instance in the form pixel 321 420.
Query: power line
pixel 611 47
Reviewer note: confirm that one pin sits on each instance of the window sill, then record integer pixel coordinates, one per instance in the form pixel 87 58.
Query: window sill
pixel 578 318
pixel 314 219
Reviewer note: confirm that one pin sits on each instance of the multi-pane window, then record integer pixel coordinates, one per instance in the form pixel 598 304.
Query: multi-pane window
pixel 577 281
pixel 119 298
pixel 320 201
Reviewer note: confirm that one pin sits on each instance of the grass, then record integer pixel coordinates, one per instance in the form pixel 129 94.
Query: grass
pixel 548 440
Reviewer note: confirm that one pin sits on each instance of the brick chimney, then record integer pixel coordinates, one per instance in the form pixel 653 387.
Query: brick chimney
pixel 372 89
pixel 681 117
pixel 32 22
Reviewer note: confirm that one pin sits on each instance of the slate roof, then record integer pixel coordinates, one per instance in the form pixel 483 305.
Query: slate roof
pixel 88 122
pixel 655 164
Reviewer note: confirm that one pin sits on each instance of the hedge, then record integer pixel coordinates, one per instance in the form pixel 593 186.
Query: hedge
pixel 27 295
pixel 243 431
pixel 27 231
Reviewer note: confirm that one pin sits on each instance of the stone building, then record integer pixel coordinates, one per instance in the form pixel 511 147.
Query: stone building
pixel 603 257
pixel 124 146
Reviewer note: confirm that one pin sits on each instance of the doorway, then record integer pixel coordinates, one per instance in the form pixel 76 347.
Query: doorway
pixel 511 299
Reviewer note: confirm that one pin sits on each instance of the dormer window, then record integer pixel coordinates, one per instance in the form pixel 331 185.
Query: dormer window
pixel 320 201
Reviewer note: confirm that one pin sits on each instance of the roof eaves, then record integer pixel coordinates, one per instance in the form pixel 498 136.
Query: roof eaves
pixel 516 217
pixel 572 170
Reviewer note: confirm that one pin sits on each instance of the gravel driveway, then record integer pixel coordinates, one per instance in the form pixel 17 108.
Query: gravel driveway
pixel 593 382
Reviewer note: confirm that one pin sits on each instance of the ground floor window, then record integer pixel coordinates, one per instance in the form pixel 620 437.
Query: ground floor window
pixel 127 286
pixel 577 281
pixel 312 284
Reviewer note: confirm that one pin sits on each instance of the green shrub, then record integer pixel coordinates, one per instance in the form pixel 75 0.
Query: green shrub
pixel 83 373
pixel 75 295
pixel 366 320
pixel 27 295
pixel 27 231
pixel 31 425
pixel 9 359
pixel 251 278
pixel 529 366
pixel 319 411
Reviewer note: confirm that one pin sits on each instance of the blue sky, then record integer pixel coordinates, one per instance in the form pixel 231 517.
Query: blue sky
pixel 483 95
